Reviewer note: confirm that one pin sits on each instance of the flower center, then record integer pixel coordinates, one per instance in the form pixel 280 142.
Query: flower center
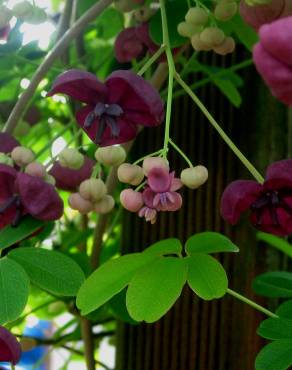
pixel 107 114
pixel 12 201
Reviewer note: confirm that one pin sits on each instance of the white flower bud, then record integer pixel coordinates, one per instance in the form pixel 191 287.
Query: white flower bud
pixel 22 156
pixel 105 205
pixel 71 158
pixel 111 155
pixel 92 189
pixel 194 177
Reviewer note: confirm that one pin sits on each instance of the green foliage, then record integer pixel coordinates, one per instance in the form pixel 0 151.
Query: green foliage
pixel 275 356
pixel 245 33
pixel 164 247
pixel 209 242
pixel 14 290
pixel 50 270
pixel 276 284
pixel 276 242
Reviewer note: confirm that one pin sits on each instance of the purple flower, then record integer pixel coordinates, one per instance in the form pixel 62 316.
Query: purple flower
pixel 22 194
pixel 113 109
pixel 270 203
pixel 7 143
pixel 69 179
pixel 10 350
pixel 273 58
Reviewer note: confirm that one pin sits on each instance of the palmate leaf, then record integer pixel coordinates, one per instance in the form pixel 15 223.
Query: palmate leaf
pixel 275 356
pixel 209 242
pixel 276 328
pixel 276 284
pixel 164 247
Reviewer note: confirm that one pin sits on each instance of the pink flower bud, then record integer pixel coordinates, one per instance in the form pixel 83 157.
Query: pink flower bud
pixel 22 156
pixel 36 169
pixel 79 204
pixel 130 174
pixel 194 177
pixel 152 162
pixel 131 200
pixel 92 189
pixel 105 205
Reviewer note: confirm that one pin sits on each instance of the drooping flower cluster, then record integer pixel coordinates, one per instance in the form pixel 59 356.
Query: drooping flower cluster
pixel 115 109
pixel 270 203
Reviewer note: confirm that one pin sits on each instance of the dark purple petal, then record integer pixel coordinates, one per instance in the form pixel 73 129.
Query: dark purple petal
pixel 139 100
pixel 142 33
pixel 279 175
pixel 237 198
pixel 7 143
pixel 148 197
pixel 7 180
pixel 10 349
pixel 69 179
pixel 80 85
pixel 39 198
pixel 128 46
pixel 159 180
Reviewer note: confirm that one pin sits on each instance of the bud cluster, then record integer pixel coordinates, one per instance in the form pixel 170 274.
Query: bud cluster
pixel 204 35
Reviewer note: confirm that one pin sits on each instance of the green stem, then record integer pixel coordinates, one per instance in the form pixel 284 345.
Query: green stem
pixel 158 152
pixel 181 153
pixel 220 131
pixel 151 60
pixel 251 303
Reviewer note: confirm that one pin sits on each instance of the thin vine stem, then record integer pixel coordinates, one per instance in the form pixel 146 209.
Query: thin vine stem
pixel 181 153
pixel 151 60
pixel 158 152
pixel 252 303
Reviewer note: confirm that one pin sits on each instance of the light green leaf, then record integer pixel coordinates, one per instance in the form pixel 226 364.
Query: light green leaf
pixel 206 277
pixel 155 288
pixel 277 242
pixel 275 356
pixel 209 242
pixel 14 290
pixel 50 270
pixel 108 280
pixel 276 284
pixel 163 247
pixel 276 328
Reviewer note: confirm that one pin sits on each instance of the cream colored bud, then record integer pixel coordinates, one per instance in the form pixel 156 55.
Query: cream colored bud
pixel 36 169
pixel 225 10
pixel 194 177
pixel 227 46
pixel 130 174
pixel 111 155
pixel 105 205
pixel 152 162
pixel 198 44
pixel 186 29
pixel 92 190
pixel 50 179
pixel 80 204
pixel 212 36
pixel 22 156
pixel 197 16
pixel 5 159
pixel 71 158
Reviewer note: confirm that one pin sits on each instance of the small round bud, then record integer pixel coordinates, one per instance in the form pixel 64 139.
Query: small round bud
pixel 92 190
pixel 143 14
pixel 5 16
pixel 152 162
pixel 225 11
pixel 130 174
pixel 198 44
pixel 22 129
pixel 212 36
pixel 22 156
pixel 36 169
pixel 186 29
pixel 105 205
pixel 23 10
pixel 228 46
pixel 194 177
pixel 79 204
pixel 197 16
pixel 50 179
pixel 111 155
pixel 131 200
pixel 125 6
pixel 5 159
pixel 71 158
pixel 27 344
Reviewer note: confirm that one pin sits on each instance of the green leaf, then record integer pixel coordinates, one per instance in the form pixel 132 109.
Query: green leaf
pixel 163 247
pixel 108 280
pixel 285 310
pixel 14 290
pixel 209 242
pixel 175 11
pixel 277 284
pixel 118 307
pixel 229 90
pixel 275 241
pixel 276 328
pixel 206 277
pixel 155 288
pixel 11 235
pixel 50 270
pixel 244 32
pixel 275 356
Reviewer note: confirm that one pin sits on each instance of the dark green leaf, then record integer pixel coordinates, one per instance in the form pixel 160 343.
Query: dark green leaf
pixel 277 242
pixel 244 32
pixel 275 356
pixel 285 310
pixel 273 329
pixel 118 307
pixel 277 284
pixel 209 242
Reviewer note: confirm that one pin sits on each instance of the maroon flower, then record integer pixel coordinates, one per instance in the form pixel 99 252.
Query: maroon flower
pixel 4 32
pixel 7 143
pixel 69 179
pixel 114 109
pixel 22 194
pixel 270 203
pixel 10 350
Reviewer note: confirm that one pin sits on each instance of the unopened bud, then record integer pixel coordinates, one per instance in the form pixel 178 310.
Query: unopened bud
pixel 225 10
pixel 228 46
pixel 92 190
pixel 36 169
pixel 80 204
pixel 197 16
pixel 111 155
pixel 186 29
pixel 105 205
pixel 131 200
pixel 212 36
pixel 152 162
pixel 71 158
pixel 5 159
pixel 130 174
pixel 22 156
pixel 198 44
pixel 5 16
pixel 194 177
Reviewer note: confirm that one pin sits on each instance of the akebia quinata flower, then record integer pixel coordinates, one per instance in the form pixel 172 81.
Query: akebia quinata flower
pixel 273 58
pixel 22 194
pixel 114 109
pixel 10 349
pixel 269 204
